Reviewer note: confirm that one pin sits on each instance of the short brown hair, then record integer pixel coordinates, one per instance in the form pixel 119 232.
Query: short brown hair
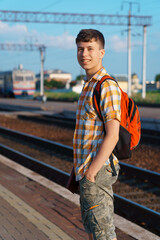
pixel 86 35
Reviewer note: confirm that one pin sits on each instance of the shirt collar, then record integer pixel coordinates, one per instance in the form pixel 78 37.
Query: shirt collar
pixel 97 76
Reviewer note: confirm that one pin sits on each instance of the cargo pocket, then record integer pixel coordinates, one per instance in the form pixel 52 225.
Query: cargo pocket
pixel 97 219
pixel 89 219
pixel 88 192
pixel 88 197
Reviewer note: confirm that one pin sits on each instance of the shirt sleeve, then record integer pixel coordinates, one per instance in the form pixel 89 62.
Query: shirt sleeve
pixel 110 103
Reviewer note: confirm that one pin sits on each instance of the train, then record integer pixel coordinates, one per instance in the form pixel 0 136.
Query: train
pixel 17 83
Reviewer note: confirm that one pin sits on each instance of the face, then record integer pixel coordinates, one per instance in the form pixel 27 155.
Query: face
pixel 90 56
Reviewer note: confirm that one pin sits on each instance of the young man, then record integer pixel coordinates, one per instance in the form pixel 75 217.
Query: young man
pixel 92 147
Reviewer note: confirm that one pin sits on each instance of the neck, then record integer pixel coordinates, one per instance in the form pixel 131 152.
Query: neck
pixel 91 74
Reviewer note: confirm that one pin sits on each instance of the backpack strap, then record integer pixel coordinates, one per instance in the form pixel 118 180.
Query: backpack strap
pixel 97 95
pixel 132 109
pixel 112 165
pixel 96 105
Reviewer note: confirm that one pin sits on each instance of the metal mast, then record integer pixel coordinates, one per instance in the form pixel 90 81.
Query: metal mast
pixel 144 63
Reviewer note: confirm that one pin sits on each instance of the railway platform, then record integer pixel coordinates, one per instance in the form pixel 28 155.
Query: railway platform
pixel 51 107
pixel 34 208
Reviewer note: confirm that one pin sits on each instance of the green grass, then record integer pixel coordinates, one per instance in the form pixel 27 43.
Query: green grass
pixel 61 96
pixel 151 97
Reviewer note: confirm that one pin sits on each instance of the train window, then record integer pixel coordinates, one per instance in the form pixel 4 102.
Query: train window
pixel 19 78
pixel 9 79
pixel 1 81
pixel 29 78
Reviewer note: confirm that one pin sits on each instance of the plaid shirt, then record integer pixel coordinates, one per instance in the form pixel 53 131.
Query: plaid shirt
pixel 89 134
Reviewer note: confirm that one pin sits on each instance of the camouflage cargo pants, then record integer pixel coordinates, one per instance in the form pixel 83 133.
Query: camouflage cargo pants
pixel 96 201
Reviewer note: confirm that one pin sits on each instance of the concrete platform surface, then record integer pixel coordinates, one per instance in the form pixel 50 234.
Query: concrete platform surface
pixel 54 107
pixel 34 208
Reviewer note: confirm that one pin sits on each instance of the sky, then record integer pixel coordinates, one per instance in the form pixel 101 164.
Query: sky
pixel 59 39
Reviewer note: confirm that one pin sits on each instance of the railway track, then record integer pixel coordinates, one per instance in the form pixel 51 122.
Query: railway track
pixel 149 136
pixel 59 119
pixel 135 185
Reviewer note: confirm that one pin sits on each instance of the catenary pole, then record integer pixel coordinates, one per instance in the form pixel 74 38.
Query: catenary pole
pixel 129 54
pixel 42 72
pixel 144 62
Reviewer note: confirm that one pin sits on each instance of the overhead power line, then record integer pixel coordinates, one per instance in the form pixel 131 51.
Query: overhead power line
pixel 73 18
pixel 21 47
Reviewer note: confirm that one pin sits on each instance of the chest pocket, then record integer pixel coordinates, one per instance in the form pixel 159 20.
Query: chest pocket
pixel 89 112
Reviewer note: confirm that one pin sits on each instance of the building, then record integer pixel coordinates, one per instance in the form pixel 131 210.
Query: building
pixel 136 86
pixel 158 85
pixel 78 87
pixel 151 86
pixel 122 80
pixel 57 75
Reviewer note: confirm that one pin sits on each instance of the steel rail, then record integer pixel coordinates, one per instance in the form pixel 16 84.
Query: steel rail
pixel 147 135
pixel 150 139
pixel 38 141
pixel 60 121
pixel 128 169
pixel 11 108
pixel 127 208
pixel 137 213
pixel 42 168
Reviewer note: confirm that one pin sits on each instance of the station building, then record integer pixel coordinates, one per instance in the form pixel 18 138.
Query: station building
pixel 57 75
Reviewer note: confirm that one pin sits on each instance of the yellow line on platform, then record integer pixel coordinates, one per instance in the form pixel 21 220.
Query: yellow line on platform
pixel 47 227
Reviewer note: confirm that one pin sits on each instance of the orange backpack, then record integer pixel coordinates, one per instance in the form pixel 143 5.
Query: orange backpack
pixel 130 125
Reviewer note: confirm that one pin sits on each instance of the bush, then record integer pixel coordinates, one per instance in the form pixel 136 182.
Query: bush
pixel 52 84
pixel 157 78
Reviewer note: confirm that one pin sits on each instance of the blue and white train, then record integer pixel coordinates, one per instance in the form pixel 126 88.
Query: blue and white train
pixel 17 83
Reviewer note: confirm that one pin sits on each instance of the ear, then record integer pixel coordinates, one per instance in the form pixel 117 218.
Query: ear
pixel 102 52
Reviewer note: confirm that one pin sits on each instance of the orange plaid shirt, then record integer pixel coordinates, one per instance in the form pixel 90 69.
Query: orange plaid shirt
pixel 89 134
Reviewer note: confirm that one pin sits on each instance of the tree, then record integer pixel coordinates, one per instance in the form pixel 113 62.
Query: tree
pixel 157 78
pixel 53 84
pixel 80 77
pixel 73 83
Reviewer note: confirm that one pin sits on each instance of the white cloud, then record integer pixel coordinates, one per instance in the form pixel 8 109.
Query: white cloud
pixel 20 34
pixel 64 41
pixel 153 47
pixel 117 44
pixel 154 42
pixel 12 32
